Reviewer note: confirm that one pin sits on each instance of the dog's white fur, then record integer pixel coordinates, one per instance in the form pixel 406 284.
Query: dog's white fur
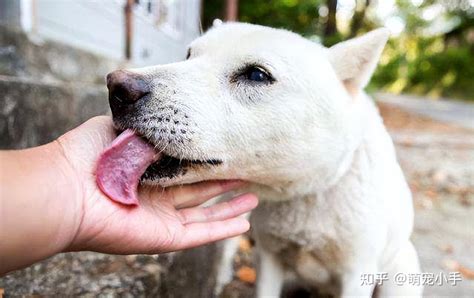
pixel 334 201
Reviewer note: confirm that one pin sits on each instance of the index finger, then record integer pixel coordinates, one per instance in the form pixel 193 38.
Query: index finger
pixel 195 194
pixel 201 233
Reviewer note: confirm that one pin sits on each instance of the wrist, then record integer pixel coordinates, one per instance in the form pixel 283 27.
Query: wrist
pixel 39 205
pixel 68 196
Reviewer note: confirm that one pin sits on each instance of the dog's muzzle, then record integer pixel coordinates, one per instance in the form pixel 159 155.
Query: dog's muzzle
pixel 125 88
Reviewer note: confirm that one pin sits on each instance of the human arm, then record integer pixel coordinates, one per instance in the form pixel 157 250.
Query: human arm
pixel 50 203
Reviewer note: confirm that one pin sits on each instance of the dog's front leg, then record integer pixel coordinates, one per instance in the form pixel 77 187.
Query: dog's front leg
pixel 225 270
pixel 405 263
pixel 353 284
pixel 270 276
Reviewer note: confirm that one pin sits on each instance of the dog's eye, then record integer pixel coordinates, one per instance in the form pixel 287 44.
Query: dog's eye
pixel 257 74
pixel 188 54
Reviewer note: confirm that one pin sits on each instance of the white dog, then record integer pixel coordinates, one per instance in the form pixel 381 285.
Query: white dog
pixel 288 115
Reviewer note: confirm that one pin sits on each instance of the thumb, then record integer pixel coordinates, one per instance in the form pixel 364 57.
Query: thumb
pixel 85 143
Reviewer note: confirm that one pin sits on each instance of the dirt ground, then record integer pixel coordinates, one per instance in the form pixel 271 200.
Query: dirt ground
pixel 438 161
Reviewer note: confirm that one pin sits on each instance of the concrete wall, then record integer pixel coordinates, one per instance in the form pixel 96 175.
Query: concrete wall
pixel 47 88
pixel 45 111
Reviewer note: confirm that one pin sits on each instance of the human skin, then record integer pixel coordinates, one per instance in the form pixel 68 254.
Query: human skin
pixel 50 203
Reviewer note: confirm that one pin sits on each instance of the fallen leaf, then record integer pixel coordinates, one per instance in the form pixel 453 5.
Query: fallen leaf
pixel 244 245
pixel 430 193
pixel 466 272
pixel 456 267
pixel 446 248
pixel 247 274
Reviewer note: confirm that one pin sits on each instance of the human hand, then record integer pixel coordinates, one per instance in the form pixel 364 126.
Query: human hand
pixel 166 220
pixel 50 203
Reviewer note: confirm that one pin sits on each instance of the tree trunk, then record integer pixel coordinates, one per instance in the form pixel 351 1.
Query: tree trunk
pixel 330 28
pixel 231 10
pixel 358 18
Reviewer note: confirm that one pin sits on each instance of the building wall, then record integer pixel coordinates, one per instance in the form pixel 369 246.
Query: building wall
pixel 149 39
pixel 10 13
pixel 96 26
pixel 99 27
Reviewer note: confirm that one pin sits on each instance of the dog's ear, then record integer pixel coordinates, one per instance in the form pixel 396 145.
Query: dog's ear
pixel 216 23
pixel 355 60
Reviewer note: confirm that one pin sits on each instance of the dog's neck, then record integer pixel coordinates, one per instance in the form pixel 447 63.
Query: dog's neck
pixel 357 166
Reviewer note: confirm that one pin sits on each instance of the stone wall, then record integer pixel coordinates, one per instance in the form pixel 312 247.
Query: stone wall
pixel 46 89
pixel 34 113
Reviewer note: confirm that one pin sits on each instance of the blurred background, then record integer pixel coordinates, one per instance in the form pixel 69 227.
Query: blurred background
pixel 54 55
pixel 430 52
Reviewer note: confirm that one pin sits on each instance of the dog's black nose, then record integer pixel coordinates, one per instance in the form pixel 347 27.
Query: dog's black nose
pixel 125 88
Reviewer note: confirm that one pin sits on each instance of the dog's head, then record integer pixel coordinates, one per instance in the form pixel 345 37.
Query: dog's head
pixel 251 103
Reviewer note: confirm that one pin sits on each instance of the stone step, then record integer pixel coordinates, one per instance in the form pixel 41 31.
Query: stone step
pixel 34 112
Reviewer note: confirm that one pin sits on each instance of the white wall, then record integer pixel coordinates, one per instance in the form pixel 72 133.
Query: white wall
pixel 91 25
pixel 99 26
pixel 160 46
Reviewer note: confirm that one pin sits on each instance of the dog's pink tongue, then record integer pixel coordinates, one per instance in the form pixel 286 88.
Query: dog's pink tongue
pixel 121 166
